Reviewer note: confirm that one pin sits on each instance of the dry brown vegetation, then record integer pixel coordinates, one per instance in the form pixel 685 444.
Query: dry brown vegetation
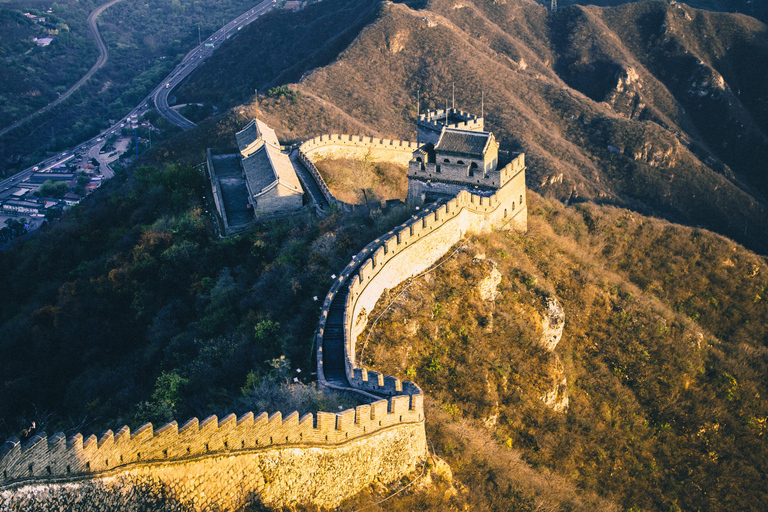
pixel 356 181
pixel 636 105
pixel 664 354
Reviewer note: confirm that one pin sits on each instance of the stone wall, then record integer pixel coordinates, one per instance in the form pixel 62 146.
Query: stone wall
pixel 354 146
pixel 405 252
pixel 283 476
pixel 418 245
pixel 216 187
pixel 58 460
pixel 429 126
pixel 460 173
pixel 351 146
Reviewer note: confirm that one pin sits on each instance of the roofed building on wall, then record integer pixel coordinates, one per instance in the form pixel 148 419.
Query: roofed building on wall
pixel 429 126
pixel 461 157
pixel 256 178
pixel 272 183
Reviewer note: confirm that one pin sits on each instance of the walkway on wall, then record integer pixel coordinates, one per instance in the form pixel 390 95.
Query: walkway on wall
pixel 333 340
pixel 308 181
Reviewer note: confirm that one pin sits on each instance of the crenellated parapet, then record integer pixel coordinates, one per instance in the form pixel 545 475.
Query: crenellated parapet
pixel 351 146
pixel 429 125
pixel 58 457
pixel 404 252
pixel 345 140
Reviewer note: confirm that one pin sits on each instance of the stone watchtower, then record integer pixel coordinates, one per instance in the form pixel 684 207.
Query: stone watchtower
pixel 430 125
pixel 456 154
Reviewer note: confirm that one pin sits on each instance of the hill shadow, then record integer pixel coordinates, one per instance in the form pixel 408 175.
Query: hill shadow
pixel 280 48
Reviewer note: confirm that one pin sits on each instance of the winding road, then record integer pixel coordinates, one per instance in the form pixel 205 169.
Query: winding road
pixel 159 94
pixel 195 57
pixel 103 57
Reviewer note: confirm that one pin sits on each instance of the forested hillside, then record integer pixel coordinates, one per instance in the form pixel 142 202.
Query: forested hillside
pixel 132 309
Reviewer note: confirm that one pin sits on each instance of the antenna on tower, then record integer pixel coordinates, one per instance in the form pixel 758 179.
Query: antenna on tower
pixel 418 103
pixel 482 104
pixel 453 104
pixel 446 111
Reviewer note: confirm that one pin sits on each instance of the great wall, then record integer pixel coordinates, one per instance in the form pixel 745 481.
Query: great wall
pixel 317 460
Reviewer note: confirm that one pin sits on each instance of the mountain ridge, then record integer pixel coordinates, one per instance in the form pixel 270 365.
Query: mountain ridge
pixel 642 140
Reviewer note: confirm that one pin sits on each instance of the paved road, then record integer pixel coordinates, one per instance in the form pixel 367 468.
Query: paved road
pixel 194 58
pixel 103 160
pixel 103 57
pixel 159 94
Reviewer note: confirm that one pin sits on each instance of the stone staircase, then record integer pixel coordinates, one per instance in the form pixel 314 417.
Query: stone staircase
pixel 333 340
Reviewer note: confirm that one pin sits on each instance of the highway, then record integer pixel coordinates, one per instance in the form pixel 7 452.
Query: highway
pixel 159 95
pixel 194 58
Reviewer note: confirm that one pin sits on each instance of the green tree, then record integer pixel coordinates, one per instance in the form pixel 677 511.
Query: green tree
pixel 55 189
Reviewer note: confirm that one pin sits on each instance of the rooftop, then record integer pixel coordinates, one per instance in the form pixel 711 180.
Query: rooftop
pixel 462 141
pixel 266 165
pixel 254 131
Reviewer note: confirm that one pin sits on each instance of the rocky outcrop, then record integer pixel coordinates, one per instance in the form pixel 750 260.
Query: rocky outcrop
pixel 626 98
pixel 557 398
pixel 552 325
pixel 488 288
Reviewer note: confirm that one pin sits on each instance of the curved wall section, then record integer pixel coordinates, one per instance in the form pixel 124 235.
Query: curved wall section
pixel 403 253
pixel 182 462
pixel 351 146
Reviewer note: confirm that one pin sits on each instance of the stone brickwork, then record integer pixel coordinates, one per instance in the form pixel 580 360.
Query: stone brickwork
pixel 430 125
pixel 405 252
pixel 351 146
pixel 354 146
pixel 126 458
pixel 428 172
pixel 282 476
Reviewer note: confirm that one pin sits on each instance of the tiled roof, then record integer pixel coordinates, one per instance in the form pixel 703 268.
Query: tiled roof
pixel 266 166
pixel 463 142
pixel 253 131
pixel 281 163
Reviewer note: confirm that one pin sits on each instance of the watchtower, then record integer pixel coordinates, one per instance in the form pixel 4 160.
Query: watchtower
pixel 429 126
pixel 456 154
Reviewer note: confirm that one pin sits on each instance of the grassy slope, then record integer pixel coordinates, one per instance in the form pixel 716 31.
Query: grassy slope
pixel 664 352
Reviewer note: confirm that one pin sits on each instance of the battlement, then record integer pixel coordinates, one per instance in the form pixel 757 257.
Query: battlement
pixel 59 456
pixel 404 252
pixel 357 140
pixel 343 145
pixel 430 125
